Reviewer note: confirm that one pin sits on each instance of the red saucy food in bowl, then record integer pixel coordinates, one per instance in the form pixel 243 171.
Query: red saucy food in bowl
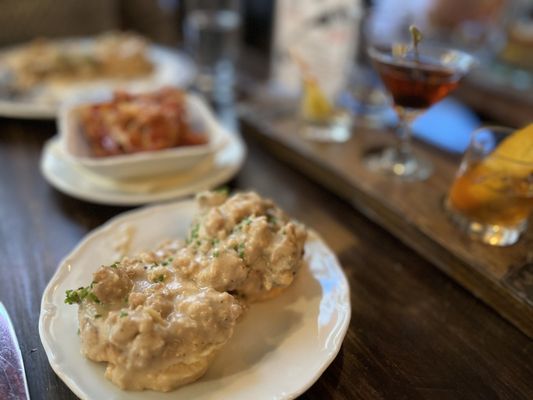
pixel 133 123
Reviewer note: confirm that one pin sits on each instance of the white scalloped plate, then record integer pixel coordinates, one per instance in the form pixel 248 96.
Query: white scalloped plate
pixel 171 68
pixel 280 347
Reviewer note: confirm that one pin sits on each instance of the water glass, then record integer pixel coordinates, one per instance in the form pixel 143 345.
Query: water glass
pixel 211 31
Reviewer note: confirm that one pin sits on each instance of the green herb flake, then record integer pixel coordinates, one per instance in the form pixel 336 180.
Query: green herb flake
pixel 194 233
pixel 240 250
pixel 115 264
pixel 167 262
pixel 159 278
pixel 216 253
pixel 222 189
pixel 271 219
pixel 123 314
pixel 72 297
pixel 96 316
pixel 78 295
pixel 91 296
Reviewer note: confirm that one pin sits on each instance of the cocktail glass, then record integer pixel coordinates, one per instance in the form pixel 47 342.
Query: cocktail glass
pixel 492 195
pixel 415 80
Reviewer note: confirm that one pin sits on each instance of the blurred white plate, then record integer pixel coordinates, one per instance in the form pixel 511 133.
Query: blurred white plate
pixel 280 347
pixel 75 180
pixel 147 163
pixel 171 68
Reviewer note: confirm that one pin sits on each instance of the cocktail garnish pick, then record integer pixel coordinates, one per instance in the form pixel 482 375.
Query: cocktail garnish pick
pixel 416 37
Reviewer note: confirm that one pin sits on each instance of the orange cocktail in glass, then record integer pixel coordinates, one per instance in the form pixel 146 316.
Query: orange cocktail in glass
pixel 492 195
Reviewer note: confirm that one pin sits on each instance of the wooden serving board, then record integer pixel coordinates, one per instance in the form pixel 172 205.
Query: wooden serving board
pixel 412 211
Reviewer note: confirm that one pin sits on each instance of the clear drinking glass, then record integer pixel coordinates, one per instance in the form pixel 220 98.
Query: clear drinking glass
pixel 211 31
pixel 415 81
pixel 492 195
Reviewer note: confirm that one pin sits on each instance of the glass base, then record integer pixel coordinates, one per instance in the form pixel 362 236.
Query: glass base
pixel 338 130
pixel 389 161
pixel 495 235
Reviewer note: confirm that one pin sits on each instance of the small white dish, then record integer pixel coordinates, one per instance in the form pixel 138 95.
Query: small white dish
pixel 171 68
pixel 143 164
pixel 280 347
pixel 73 179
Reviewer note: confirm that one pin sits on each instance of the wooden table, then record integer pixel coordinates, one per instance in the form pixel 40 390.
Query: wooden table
pixel 414 333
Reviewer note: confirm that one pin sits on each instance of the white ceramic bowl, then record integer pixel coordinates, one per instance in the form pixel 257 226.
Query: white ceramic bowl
pixel 143 164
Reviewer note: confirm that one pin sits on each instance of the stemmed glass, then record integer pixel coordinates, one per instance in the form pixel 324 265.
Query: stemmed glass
pixel 415 80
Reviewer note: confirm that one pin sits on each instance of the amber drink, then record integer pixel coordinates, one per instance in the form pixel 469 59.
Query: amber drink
pixel 492 195
pixel 415 80
pixel 417 84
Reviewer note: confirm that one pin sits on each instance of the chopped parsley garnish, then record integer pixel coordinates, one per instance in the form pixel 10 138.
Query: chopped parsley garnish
pixel 115 264
pixel 244 222
pixel 193 235
pixel 123 314
pixel 91 296
pixel 167 261
pixel 271 219
pixel 215 253
pixel 78 295
pixel 214 241
pixel 97 315
pixel 159 278
pixel 222 189
pixel 239 249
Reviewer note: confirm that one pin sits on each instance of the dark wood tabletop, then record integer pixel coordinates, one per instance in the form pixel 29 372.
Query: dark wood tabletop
pixel 414 333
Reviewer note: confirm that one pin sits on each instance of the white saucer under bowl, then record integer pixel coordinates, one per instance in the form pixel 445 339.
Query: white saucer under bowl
pixel 72 179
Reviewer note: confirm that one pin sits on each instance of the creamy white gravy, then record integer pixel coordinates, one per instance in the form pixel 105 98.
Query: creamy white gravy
pixel 159 318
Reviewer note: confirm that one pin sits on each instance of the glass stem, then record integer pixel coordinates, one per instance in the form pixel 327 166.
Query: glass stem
pixel 403 143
